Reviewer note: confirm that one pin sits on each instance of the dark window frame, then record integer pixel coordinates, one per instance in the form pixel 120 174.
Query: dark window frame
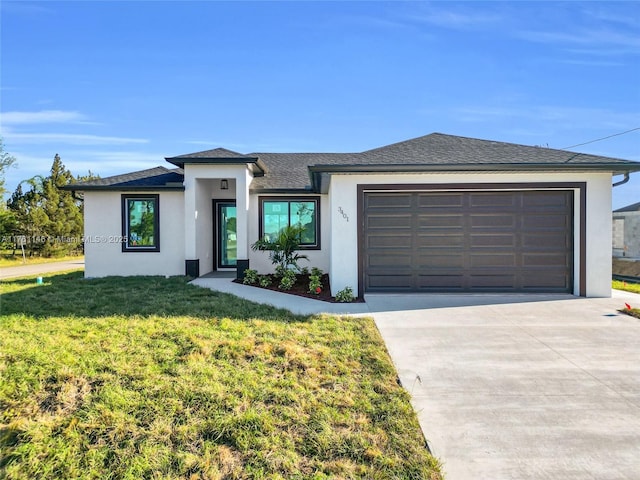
pixel 125 223
pixel 289 199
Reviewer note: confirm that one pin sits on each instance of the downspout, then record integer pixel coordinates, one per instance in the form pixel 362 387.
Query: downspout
pixel 623 181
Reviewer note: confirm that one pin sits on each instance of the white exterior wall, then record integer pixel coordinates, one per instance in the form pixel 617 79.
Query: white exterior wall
pixel 599 226
pixel 343 263
pixel 317 258
pixel 202 185
pixel 629 235
pixel 103 231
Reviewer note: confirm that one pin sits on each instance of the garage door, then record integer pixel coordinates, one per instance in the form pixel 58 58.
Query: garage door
pixel 468 241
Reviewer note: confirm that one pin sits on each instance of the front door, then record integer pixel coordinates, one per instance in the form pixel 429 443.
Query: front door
pixel 225 235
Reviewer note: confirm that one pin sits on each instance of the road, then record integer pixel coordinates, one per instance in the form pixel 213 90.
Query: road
pixel 40 268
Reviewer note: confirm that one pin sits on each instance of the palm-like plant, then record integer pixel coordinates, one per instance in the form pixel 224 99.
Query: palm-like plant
pixel 283 250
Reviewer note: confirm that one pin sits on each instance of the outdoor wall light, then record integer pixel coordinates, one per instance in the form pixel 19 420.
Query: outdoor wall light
pixel 224 184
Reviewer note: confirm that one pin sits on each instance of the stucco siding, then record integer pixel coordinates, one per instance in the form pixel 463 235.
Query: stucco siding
pixel 344 224
pixel 103 232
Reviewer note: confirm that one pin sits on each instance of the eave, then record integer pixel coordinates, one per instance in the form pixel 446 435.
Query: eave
pixel 319 174
pixel 257 166
pixel 123 188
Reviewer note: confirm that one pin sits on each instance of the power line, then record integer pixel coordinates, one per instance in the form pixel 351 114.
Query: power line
pixel 603 138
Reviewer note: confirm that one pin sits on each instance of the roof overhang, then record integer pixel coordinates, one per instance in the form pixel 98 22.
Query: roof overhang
pixel 124 188
pixel 255 164
pixel 320 174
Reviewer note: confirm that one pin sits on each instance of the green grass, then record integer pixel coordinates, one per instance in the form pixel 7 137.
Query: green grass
pixel 9 260
pixel 155 378
pixel 628 287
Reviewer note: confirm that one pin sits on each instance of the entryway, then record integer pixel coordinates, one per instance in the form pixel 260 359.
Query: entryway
pixel 225 236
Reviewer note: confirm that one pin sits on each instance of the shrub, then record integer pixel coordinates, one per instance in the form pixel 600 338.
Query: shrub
pixel 345 295
pixel 281 271
pixel 315 285
pixel 250 277
pixel 288 280
pixel 265 281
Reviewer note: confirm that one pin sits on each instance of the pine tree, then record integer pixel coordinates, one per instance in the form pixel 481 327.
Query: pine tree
pixel 50 218
pixel 64 225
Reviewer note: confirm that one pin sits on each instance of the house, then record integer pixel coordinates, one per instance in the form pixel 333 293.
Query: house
pixel 438 213
pixel 626 232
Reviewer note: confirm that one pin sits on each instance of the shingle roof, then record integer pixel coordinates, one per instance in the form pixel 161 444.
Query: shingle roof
pixel 441 149
pixel 215 153
pixel 291 170
pixel 433 152
pixel 157 178
pixel 629 208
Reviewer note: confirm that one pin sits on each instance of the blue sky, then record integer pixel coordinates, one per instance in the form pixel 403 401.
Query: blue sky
pixel 116 86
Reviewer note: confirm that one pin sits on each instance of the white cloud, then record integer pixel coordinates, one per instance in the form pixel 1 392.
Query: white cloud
pixel 456 20
pixel 43 116
pixel 551 115
pixel 598 38
pixel 69 138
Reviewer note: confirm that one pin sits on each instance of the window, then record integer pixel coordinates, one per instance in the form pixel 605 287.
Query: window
pixel 140 223
pixel 277 213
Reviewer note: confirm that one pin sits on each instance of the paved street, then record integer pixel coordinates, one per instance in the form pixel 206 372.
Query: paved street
pixel 26 270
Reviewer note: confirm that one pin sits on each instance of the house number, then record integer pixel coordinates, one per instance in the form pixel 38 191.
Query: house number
pixel 344 215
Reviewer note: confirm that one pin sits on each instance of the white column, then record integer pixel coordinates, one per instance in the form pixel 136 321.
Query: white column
pixel 242 214
pixel 190 209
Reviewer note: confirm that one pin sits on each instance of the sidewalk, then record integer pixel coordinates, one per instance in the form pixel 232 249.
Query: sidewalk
pixel 40 268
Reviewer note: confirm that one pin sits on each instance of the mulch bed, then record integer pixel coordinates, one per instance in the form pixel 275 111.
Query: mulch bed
pixel 301 288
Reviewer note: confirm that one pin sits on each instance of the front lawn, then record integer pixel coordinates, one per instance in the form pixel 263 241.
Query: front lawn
pixel 155 378
pixel 626 286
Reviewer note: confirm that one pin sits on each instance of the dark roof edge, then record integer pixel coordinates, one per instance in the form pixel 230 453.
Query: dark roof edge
pixel 181 161
pixel 634 207
pixel 471 167
pixel 121 188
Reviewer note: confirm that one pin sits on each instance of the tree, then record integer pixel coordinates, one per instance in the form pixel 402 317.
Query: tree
pixel 64 218
pixel 7 219
pixel 6 160
pixel 50 217
pixel 30 218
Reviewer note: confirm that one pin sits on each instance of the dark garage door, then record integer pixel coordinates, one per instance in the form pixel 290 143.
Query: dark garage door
pixel 468 241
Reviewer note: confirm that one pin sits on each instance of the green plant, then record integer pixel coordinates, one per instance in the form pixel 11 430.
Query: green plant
pixel 283 249
pixel 315 285
pixel 281 270
pixel 265 281
pixel 345 295
pixel 288 280
pixel 250 277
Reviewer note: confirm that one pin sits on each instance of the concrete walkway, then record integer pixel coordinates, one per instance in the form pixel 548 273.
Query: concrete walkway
pixel 40 268
pixel 509 387
pixel 293 303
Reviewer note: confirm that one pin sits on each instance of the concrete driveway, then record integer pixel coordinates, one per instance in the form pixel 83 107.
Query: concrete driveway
pixel 520 387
